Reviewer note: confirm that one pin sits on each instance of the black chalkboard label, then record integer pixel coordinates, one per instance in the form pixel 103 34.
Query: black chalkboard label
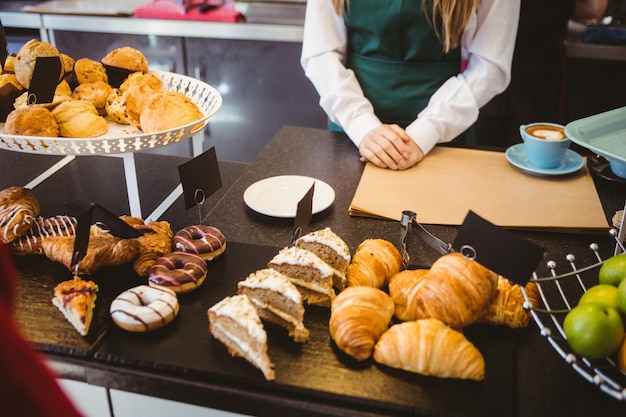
pixel 45 78
pixel 200 178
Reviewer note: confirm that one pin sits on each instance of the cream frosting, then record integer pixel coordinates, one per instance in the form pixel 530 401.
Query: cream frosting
pixel 327 237
pixel 241 309
pixel 298 256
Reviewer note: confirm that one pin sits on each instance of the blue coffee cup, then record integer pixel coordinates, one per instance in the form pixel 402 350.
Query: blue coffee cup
pixel 545 144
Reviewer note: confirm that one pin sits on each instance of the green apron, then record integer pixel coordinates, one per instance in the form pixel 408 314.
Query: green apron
pixel 396 57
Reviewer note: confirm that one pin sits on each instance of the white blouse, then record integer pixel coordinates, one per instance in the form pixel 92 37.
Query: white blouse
pixel 487 45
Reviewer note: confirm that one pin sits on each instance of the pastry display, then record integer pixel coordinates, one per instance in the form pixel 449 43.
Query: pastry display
pixel 144 308
pixel 18 209
pixel 358 317
pixel 119 87
pixel 180 272
pixel 331 249
pixel 374 262
pixel 276 300
pixel 205 241
pixel 76 299
pixel 30 243
pixel 234 321
pixel 456 290
pixel 430 347
pixel 312 276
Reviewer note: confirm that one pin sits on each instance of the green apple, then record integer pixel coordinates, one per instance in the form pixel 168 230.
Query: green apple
pixel 613 270
pixel 603 293
pixel 621 298
pixel 594 330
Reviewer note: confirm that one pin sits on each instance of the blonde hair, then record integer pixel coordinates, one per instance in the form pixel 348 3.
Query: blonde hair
pixel 454 15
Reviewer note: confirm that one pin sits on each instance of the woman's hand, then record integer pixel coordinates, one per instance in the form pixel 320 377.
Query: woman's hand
pixel 388 146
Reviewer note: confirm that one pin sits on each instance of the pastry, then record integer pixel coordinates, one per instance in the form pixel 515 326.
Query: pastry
pixel 76 299
pixel 103 250
pixel 312 276
pixel 18 209
pixel 168 110
pixel 205 241
pixel 144 308
pixel 429 347
pixel 155 242
pixel 31 121
pixel 234 321
pixel 358 316
pixel 26 59
pixel 507 307
pixel 374 262
pixel 115 108
pixel 141 79
pixel 456 290
pixel 126 58
pixel 277 300
pixel 79 119
pixel 95 92
pixel 178 271
pixel 30 243
pixel 331 249
pixel 89 71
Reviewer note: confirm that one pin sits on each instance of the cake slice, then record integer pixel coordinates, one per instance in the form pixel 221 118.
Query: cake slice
pixel 312 276
pixel 234 321
pixel 76 299
pixel 277 300
pixel 330 248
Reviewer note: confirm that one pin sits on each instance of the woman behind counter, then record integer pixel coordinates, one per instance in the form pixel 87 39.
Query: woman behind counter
pixel 389 72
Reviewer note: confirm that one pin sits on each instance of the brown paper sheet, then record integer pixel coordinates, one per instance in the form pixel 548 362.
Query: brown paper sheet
pixel 451 181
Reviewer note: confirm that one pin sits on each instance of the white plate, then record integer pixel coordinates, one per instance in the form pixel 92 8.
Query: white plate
pixel 279 196
pixel 572 162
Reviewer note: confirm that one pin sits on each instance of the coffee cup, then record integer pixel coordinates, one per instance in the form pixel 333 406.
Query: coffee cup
pixel 545 144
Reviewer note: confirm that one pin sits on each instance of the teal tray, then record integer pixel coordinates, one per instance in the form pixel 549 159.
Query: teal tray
pixel 604 134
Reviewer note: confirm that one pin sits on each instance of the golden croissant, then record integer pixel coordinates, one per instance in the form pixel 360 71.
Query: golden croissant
pixel 429 347
pixel 374 262
pixel 103 249
pixel 154 243
pixel 358 316
pixel 507 307
pixel 456 290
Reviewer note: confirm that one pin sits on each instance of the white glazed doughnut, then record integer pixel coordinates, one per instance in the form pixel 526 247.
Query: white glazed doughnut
pixel 144 308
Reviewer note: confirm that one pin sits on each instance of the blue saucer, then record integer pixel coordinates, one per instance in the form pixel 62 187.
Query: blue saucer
pixel 572 162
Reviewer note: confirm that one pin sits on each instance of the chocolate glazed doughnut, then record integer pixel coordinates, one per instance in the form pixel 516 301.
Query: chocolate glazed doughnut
pixel 205 241
pixel 144 308
pixel 180 272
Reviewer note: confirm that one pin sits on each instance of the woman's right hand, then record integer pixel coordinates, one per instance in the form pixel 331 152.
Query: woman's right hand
pixel 388 146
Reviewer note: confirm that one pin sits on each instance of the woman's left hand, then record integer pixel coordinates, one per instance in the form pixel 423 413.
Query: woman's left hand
pixel 388 146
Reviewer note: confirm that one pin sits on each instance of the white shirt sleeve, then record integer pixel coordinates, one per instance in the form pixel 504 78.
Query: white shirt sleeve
pixel 487 43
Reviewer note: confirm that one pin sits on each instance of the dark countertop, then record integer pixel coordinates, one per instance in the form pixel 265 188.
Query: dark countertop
pixel 526 377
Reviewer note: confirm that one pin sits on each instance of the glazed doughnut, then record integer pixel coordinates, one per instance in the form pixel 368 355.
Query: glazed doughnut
pixel 180 272
pixel 206 241
pixel 144 308
pixel 18 209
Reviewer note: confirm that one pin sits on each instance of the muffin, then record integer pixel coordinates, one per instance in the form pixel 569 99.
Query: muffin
pixel 79 119
pixel 168 110
pixel 31 121
pixel 27 56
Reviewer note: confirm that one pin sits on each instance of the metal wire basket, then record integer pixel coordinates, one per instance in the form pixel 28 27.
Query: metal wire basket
pixel 559 293
pixel 125 138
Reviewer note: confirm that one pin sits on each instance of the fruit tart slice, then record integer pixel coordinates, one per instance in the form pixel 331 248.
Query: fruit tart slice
pixel 76 299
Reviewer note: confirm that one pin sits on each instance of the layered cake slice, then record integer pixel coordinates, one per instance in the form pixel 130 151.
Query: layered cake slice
pixel 276 300
pixel 312 276
pixel 76 299
pixel 234 321
pixel 330 248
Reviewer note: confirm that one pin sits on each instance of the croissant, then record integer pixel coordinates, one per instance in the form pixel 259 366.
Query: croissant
pixel 358 316
pixel 104 249
pixel 429 347
pixel 401 287
pixel 154 243
pixel 456 290
pixel 507 307
pixel 374 262
pixel 18 209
